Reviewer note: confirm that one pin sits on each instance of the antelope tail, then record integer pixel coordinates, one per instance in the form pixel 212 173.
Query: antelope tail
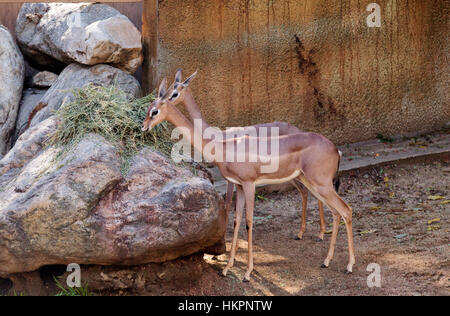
pixel 336 181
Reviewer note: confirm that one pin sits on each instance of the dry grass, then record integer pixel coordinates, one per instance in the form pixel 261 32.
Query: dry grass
pixel 109 112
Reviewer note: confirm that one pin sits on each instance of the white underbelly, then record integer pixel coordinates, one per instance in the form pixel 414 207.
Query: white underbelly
pixel 233 180
pixel 294 175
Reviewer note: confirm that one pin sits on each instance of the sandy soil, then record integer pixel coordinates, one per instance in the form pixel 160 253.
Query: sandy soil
pixel 392 207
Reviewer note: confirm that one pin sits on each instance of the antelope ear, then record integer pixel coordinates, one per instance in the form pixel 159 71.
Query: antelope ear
pixel 162 88
pixel 188 80
pixel 178 76
pixel 166 96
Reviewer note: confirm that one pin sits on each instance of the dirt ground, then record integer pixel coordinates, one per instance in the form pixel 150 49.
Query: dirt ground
pixel 392 207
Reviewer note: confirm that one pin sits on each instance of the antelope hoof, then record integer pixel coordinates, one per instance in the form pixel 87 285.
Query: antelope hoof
pixel 323 266
pixel 349 268
pixel 319 239
pixel 224 272
pixel 246 278
pixel 297 238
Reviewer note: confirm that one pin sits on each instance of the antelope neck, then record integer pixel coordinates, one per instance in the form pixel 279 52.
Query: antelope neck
pixel 193 109
pixel 187 130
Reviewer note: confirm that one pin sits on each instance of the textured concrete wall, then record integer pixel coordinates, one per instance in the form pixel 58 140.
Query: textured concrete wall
pixel 313 63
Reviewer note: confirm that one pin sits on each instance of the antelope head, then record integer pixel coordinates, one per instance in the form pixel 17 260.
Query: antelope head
pixel 179 87
pixel 157 111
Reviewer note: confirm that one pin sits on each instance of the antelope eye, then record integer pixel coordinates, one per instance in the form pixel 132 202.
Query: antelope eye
pixel 154 113
pixel 174 95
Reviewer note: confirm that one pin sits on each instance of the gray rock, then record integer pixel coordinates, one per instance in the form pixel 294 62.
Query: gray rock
pixel 170 212
pixel 77 207
pixel 12 72
pixel 27 146
pixel 53 34
pixel 43 79
pixel 30 99
pixel 77 76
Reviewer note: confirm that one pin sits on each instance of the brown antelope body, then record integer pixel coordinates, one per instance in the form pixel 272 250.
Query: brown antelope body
pixel 308 157
pixel 181 93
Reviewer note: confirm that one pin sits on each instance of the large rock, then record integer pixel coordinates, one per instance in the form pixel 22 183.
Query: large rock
pixel 77 76
pixel 12 72
pixel 30 99
pixel 53 34
pixel 77 207
pixel 27 146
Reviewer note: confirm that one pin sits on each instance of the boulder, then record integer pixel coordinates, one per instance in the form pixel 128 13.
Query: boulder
pixel 12 72
pixel 77 76
pixel 54 34
pixel 30 99
pixel 75 206
pixel 27 146
pixel 43 79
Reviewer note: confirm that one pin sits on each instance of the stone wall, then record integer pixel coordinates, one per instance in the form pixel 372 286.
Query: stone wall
pixel 313 63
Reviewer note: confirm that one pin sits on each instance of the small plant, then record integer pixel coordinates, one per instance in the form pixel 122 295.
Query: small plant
pixel 384 139
pixel 72 291
pixel 261 197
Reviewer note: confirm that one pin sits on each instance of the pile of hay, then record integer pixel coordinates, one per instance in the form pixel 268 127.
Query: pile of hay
pixel 109 112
